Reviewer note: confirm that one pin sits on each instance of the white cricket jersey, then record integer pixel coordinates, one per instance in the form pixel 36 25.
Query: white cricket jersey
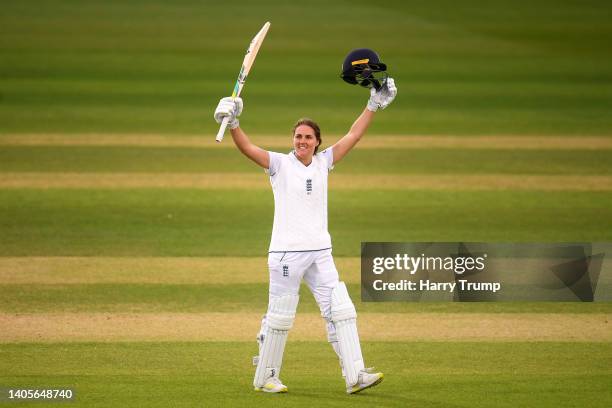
pixel 300 202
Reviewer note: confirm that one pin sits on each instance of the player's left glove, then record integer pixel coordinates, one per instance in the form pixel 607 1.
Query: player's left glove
pixel 383 97
pixel 229 107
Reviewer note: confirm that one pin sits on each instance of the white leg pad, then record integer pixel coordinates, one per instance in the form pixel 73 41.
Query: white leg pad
pixel 279 319
pixel 344 317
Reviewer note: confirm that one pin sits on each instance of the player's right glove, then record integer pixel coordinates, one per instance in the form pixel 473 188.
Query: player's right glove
pixel 383 97
pixel 229 107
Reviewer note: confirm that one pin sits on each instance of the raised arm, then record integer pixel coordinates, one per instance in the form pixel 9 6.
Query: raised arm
pixel 233 108
pixel 253 152
pixel 348 141
pixel 379 99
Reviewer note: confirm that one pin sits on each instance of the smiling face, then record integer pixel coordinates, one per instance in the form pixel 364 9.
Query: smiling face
pixel 304 142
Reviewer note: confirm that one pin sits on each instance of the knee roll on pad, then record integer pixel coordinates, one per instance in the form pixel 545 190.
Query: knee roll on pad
pixel 344 317
pixel 342 308
pixel 279 319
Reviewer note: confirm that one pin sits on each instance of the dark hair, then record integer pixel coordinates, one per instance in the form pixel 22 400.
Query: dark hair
pixel 313 125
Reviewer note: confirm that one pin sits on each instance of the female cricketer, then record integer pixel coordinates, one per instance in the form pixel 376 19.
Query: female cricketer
pixel 301 247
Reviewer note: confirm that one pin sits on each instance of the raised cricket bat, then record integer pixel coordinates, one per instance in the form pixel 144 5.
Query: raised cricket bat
pixel 247 63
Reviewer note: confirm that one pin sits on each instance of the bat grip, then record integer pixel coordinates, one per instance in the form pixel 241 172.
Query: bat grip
pixel 222 129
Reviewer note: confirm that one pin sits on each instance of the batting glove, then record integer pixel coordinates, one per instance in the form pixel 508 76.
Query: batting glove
pixel 229 107
pixel 380 99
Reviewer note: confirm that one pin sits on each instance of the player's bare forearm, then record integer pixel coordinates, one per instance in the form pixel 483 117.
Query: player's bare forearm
pixel 361 124
pixel 358 129
pixel 253 152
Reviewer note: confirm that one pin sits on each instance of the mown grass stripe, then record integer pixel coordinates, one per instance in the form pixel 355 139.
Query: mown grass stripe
pixel 219 374
pixel 162 223
pixel 230 298
pixel 71 327
pixel 360 162
pixel 503 142
pixel 155 270
pixel 256 181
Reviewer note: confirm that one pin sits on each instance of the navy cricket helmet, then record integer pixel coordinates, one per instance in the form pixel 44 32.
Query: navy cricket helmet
pixel 363 66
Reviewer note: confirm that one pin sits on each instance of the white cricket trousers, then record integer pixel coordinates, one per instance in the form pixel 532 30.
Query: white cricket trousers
pixel 317 268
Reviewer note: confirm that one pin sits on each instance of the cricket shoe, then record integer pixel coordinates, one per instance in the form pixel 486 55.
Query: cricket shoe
pixel 366 379
pixel 273 385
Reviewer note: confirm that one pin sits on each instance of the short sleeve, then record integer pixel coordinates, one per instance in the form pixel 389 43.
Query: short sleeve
pixel 275 163
pixel 328 156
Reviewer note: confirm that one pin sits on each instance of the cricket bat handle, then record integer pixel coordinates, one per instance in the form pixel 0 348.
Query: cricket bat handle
pixel 222 129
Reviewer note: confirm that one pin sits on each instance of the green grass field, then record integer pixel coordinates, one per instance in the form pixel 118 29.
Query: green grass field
pixel 424 374
pixel 133 289
pixel 474 67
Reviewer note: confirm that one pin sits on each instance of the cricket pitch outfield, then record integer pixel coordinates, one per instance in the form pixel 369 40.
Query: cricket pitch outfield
pixel 132 247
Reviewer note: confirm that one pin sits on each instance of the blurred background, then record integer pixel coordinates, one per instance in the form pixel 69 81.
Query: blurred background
pixel 470 67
